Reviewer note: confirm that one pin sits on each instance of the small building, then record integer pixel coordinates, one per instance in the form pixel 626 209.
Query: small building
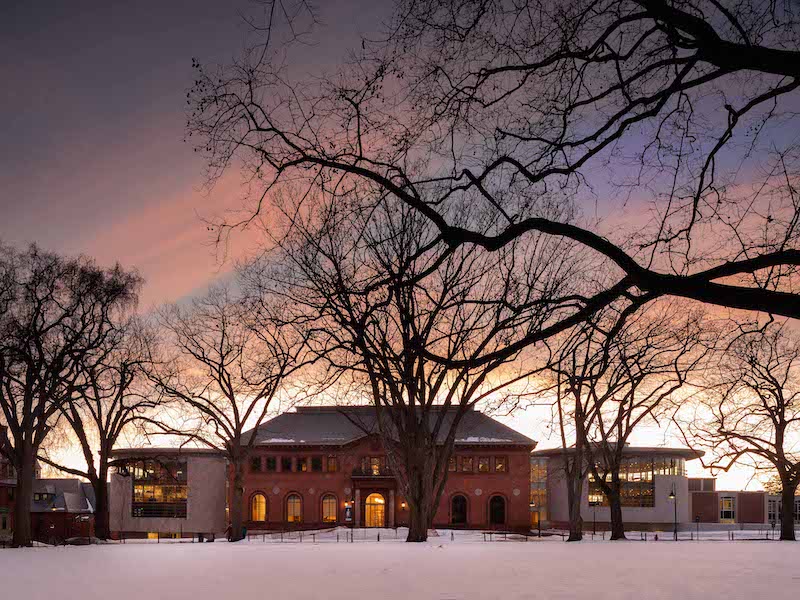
pixel 653 481
pixel 61 509
pixel 324 466
pixel 167 492
pixel 735 509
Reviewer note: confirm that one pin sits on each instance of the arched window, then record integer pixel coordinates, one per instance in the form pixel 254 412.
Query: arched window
pixel 294 509
pixel 497 510
pixel 329 506
pixel 258 508
pixel 458 510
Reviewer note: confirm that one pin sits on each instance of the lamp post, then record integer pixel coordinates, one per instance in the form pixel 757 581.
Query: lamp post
pixel 674 498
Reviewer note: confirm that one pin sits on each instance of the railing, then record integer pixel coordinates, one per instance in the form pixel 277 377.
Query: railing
pixel 372 472
pixel 168 510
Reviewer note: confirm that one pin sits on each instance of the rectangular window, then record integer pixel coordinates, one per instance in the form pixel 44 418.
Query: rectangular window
pixel 773 510
pixel 332 466
pixel 797 510
pixel 37 497
pixel 500 464
pixel 483 464
pixel 159 489
pixel 466 464
pixel 255 464
pixel 451 464
pixel 316 464
pixel 11 493
pixel 271 464
pixel 375 465
pixel 286 464
pixel 302 464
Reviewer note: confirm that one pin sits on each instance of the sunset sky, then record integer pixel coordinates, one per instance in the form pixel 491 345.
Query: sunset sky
pixel 92 157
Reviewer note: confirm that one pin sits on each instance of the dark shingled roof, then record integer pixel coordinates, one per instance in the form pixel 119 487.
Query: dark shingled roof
pixel 64 495
pixel 336 426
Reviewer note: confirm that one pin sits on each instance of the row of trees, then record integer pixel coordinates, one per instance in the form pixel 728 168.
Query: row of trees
pixel 511 125
pixel 428 240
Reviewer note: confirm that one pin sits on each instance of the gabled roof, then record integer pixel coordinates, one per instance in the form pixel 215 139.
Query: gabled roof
pixel 340 425
pixel 64 495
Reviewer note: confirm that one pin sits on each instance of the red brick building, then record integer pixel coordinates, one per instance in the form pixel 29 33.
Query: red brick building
pixel 320 467
pixel 8 483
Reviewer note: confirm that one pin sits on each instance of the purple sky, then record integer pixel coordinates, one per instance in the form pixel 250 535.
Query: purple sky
pixel 92 158
pixel 91 152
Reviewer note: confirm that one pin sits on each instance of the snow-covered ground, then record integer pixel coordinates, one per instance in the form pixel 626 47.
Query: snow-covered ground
pixel 466 567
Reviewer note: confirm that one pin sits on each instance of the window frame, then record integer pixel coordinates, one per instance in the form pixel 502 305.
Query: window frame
pixel 329 497
pixel 290 499
pixel 253 499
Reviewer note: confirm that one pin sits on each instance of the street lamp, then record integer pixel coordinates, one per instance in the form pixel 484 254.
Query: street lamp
pixel 673 497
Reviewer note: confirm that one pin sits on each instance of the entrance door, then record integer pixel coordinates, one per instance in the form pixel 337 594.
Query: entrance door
pixel 375 513
pixel 497 511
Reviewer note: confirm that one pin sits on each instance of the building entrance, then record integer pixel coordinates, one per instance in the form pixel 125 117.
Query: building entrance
pixel 375 513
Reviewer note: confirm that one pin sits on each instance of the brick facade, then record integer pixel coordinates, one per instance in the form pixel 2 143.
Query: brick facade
pixel 353 481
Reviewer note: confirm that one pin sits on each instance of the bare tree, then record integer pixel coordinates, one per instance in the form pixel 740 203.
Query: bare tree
pixel 59 312
pixel 227 360
pixel 752 412
pixel 382 291
pixel 108 401
pixel 623 370
pixel 500 104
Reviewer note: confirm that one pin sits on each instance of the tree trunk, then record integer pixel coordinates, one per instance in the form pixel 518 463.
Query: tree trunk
pixel 787 512
pixel 420 498
pixel 574 493
pixel 615 508
pixel 100 486
pixel 418 524
pixel 237 495
pixel 26 472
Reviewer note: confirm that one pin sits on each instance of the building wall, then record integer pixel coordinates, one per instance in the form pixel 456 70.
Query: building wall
pixel 751 507
pixel 205 507
pixel 662 513
pixel 55 527
pixel 477 488
pixel 6 509
pixel 705 506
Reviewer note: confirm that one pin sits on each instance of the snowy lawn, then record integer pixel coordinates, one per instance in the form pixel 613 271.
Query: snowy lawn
pixel 439 569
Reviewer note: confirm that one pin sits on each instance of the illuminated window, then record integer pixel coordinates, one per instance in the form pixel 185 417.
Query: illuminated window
pixel 466 464
pixel 302 464
pixel 286 464
pixel 316 464
pixel 451 464
pixel 329 508
pixel 159 489
pixel 727 509
pixel 294 509
pixel 483 464
pixel 500 464
pixel 332 465
pixel 375 465
pixel 258 508
pixel 271 464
